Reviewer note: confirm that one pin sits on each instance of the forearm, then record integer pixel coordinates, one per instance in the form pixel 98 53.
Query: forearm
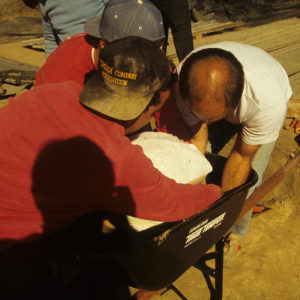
pixel 200 138
pixel 141 190
pixel 236 171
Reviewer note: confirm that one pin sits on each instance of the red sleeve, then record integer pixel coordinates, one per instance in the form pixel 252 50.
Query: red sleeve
pixel 168 120
pixel 71 60
pixel 155 196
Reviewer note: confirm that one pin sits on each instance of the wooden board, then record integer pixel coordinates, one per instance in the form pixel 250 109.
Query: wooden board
pixel 18 51
pixel 269 37
pixel 202 28
pixel 212 26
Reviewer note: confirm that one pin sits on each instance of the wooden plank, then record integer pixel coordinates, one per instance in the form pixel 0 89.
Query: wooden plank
pixel 211 26
pixel 289 57
pixel 3 102
pixel 36 44
pixel 268 185
pixel 295 84
pixel 17 52
pixel 293 109
pixel 279 7
pixel 269 37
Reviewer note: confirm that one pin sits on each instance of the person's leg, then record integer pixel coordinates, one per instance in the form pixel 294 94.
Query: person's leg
pixel 179 20
pixel 61 19
pixel 50 37
pixel 180 23
pixel 219 134
pixel 259 164
pixel 163 7
pixel 71 16
pixel 176 16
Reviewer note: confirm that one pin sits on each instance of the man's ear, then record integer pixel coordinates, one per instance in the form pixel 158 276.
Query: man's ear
pixel 102 43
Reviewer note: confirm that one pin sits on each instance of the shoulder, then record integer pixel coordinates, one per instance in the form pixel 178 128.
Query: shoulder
pixel 49 94
pixel 39 104
pixel 58 88
pixel 69 61
pixel 71 46
pixel 79 37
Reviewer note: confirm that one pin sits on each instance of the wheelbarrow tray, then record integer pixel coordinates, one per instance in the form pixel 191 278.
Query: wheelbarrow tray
pixel 161 254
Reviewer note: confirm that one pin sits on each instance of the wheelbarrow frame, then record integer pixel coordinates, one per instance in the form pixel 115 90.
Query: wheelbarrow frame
pixel 161 254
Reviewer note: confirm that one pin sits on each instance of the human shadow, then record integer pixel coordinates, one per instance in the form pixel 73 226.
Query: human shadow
pixel 72 180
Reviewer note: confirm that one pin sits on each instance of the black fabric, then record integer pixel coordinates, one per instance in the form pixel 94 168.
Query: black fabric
pixel 40 271
pixel 220 133
pixel 176 16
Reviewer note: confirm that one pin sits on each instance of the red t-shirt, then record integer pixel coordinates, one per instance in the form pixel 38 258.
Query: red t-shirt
pixel 71 60
pixel 168 120
pixel 59 161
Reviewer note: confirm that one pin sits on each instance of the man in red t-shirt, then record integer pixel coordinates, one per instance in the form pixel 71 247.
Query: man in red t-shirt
pixel 67 156
pixel 63 159
pixel 77 57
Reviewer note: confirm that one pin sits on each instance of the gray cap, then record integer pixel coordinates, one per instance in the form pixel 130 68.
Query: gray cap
pixel 130 71
pixel 122 18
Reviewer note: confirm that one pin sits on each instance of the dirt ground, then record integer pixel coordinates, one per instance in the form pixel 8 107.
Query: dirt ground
pixel 265 264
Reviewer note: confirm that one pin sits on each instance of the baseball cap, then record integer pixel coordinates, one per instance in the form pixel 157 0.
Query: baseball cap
pixel 123 18
pixel 130 71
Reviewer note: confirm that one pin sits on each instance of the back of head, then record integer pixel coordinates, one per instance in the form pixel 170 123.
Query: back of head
pixel 130 71
pixel 222 76
pixel 122 18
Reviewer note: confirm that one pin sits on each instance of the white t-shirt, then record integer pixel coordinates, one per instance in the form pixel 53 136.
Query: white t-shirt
pixel 265 96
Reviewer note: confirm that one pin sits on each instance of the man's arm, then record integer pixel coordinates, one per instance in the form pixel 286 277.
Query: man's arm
pixel 199 135
pixel 238 165
pixel 142 191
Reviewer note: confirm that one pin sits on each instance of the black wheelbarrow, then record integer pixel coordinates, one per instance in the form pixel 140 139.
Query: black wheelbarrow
pixel 154 258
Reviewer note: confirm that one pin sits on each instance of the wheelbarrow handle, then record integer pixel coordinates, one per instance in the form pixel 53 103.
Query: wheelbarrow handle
pixel 268 185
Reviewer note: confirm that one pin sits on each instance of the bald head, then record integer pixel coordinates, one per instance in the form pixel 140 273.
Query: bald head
pixel 211 81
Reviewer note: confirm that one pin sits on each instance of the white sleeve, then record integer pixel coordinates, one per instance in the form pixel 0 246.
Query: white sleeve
pixel 264 128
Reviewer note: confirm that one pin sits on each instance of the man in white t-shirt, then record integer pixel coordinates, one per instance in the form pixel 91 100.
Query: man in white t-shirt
pixel 231 87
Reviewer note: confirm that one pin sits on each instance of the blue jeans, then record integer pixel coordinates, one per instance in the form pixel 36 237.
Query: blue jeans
pixel 219 135
pixel 63 18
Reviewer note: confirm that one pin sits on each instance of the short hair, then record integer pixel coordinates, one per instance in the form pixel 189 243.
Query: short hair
pixel 232 91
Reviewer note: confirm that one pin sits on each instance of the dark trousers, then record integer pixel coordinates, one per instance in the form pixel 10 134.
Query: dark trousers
pixel 176 16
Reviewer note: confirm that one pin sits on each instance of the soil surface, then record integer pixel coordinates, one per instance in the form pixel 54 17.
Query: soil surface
pixel 265 264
